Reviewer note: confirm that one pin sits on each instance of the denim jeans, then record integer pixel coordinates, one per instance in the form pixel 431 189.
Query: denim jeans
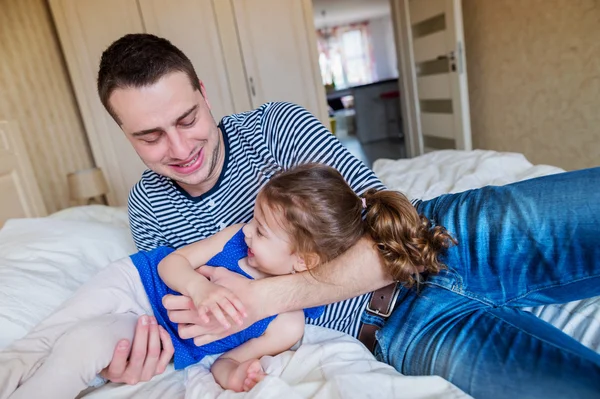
pixel 526 244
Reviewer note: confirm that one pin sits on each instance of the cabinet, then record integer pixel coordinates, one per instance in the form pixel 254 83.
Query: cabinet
pixel 280 54
pixel 247 52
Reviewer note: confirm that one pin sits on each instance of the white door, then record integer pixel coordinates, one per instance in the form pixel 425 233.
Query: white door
pixel 433 74
pixel 279 47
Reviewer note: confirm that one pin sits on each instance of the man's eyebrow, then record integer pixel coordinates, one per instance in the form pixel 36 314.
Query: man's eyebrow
pixel 186 113
pixel 158 129
pixel 147 131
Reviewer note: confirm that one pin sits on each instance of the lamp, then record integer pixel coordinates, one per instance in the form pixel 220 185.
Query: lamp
pixel 88 186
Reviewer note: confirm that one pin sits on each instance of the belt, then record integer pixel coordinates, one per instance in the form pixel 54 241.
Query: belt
pixel 382 304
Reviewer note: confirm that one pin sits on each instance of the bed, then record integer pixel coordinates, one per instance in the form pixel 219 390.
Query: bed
pixel 44 259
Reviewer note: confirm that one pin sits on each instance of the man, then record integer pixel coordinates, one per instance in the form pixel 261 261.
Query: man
pixel 519 245
pixel 203 177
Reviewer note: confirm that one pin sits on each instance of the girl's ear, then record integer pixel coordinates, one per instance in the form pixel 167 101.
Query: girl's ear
pixel 306 262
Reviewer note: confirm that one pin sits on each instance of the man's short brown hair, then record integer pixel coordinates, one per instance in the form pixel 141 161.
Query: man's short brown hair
pixel 138 60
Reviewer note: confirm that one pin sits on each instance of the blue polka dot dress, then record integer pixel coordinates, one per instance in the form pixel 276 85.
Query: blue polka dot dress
pixel 186 352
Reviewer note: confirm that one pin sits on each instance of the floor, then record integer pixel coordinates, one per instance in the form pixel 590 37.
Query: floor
pixel 392 148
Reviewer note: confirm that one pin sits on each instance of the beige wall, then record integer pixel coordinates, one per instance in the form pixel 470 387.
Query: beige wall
pixel 35 91
pixel 534 78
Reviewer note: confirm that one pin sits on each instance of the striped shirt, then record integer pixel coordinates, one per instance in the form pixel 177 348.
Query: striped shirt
pixel 257 143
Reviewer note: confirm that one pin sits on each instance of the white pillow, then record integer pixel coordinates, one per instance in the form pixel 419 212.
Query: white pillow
pixel 43 261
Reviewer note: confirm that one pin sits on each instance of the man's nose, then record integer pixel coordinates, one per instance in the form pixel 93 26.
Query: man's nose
pixel 179 146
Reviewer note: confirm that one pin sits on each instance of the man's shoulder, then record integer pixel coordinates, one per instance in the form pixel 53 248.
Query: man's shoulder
pixel 282 110
pixel 150 185
pixel 263 115
pixel 149 180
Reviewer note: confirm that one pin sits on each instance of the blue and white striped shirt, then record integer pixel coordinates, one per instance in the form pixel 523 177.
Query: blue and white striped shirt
pixel 257 143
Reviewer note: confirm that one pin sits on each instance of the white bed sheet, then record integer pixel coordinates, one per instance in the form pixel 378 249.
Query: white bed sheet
pixel 42 261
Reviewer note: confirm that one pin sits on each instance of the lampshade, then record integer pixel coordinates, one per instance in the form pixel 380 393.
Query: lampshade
pixel 86 184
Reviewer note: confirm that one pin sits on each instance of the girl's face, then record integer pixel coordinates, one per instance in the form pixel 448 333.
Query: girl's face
pixel 269 246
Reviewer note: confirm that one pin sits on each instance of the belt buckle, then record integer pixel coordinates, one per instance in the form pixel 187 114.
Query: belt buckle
pixel 391 306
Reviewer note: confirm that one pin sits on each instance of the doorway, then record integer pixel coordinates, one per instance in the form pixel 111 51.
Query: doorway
pixel 359 68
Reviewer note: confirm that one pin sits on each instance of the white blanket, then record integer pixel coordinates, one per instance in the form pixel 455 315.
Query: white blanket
pixel 449 171
pixel 327 365
pixel 42 261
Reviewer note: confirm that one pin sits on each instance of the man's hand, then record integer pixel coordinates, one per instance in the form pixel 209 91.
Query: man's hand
pixel 145 358
pixel 182 310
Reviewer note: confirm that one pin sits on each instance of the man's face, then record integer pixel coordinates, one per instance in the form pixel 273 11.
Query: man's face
pixel 173 131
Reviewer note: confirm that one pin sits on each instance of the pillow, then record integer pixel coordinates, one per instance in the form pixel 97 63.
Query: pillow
pixel 43 261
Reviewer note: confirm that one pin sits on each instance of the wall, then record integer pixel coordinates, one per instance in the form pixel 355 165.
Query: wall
pixel 35 91
pixel 384 50
pixel 534 78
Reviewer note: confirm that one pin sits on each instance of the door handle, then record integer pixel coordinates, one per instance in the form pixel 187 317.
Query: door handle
pixel 451 60
pixel 252 87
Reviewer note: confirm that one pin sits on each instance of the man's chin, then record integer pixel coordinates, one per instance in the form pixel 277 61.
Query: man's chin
pixel 192 179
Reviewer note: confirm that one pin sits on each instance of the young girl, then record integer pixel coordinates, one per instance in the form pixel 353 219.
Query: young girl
pixel 302 218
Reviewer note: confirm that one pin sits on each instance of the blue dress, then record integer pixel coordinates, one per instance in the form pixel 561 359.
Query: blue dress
pixel 186 352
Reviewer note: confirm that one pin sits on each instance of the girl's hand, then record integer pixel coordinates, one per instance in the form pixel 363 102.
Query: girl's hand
pixel 220 301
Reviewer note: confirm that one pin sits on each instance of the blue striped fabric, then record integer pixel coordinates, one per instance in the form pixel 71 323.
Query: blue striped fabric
pixel 257 143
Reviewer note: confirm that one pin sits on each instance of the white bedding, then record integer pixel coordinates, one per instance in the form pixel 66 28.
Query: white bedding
pixel 42 261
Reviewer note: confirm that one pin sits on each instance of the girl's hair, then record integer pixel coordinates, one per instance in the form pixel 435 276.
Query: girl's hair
pixel 324 216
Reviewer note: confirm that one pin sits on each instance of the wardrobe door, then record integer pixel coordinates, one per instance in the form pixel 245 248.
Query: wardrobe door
pixel 279 46
pixel 86 28
pixel 192 26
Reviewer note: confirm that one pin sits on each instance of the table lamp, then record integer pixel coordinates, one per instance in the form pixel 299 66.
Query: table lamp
pixel 88 186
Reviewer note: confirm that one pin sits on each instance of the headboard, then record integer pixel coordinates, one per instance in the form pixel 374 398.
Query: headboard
pixel 20 195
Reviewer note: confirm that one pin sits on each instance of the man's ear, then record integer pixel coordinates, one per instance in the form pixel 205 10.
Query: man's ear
pixel 203 92
pixel 306 262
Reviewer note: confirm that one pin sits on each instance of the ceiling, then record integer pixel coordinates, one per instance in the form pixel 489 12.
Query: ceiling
pixel 341 12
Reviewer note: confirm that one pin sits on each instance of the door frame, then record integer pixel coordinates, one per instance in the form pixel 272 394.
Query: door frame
pixel 407 79
pixel 411 122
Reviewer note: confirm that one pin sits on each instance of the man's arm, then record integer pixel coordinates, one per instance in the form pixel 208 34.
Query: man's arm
pixel 354 273
pixel 142 222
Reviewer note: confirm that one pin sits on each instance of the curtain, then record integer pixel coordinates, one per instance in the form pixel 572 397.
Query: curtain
pixel 346 56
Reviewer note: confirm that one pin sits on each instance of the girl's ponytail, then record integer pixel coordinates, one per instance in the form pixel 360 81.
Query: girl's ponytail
pixel 407 242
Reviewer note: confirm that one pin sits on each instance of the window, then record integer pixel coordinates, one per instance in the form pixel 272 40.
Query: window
pixel 345 55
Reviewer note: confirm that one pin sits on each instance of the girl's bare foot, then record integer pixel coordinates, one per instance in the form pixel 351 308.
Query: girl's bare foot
pixel 254 375
pixel 245 376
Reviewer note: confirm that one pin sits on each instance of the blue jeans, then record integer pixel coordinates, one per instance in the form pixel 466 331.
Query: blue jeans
pixel 526 244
